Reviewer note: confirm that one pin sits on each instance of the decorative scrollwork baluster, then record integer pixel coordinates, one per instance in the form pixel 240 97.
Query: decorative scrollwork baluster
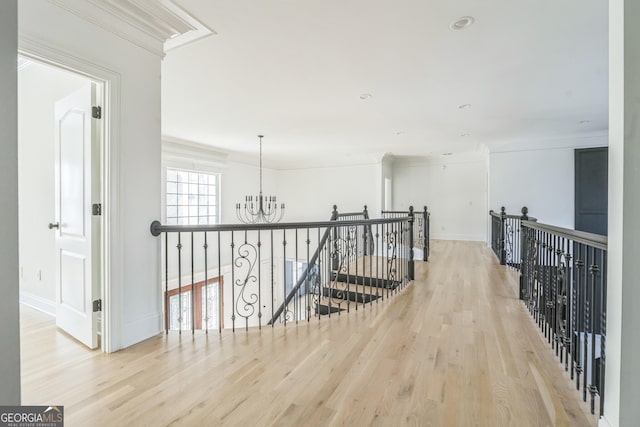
pixel 246 300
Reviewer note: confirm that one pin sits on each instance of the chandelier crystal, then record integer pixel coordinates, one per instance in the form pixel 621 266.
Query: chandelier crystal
pixel 259 209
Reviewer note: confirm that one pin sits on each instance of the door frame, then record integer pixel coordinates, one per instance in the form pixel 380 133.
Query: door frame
pixel 110 257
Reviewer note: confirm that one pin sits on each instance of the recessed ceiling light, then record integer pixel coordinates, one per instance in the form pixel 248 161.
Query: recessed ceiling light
pixel 462 23
pixel 365 96
pixel 463 106
pixel 581 122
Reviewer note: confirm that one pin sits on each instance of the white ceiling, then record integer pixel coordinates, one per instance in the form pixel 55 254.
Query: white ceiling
pixel 294 71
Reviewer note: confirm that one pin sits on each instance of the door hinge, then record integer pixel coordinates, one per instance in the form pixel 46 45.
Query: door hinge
pixel 97 305
pixel 96 112
pixel 96 209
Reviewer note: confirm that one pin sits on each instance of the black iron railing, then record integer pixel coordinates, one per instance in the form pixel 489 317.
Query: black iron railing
pixel 286 272
pixel 505 236
pixel 563 283
pixel 421 228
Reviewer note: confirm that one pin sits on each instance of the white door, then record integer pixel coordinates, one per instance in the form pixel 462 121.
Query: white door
pixel 75 187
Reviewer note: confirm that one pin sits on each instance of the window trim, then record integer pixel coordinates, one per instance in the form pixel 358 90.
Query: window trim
pixel 197 309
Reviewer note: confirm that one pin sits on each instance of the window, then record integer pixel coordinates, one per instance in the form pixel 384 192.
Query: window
pixel 192 197
pixel 293 272
pixel 207 306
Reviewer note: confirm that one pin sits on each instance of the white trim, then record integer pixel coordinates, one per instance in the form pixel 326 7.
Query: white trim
pixel 156 26
pixel 593 139
pixel 141 329
pixel 467 237
pixel 189 155
pixel 41 304
pixel 603 422
pixel 112 274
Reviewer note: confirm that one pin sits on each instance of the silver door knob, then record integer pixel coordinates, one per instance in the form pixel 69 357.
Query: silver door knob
pixel 54 225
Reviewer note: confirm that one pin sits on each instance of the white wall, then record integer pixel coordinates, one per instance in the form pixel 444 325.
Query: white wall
pixel 310 194
pixel 622 388
pixel 9 316
pixel 39 87
pixel 454 188
pixel 134 310
pixel 541 180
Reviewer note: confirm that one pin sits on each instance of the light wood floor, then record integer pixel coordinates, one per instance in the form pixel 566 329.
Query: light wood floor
pixel 455 347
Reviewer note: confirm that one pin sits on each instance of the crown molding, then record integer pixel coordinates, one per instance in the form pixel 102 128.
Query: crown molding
pixel 157 26
pixel 585 140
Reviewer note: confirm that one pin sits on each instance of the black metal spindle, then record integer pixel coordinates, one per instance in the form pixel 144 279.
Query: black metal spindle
pixel 193 290
pixel 273 295
pixel 233 285
pixel 284 275
pixel 166 282
pixel 206 285
pixel 220 287
pixel 179 283
pixel 378 252
pixel 603 327
pixel 579 314
pixel 586 323
pixel 593 389
pixel 568 310
pixel 306 280
pixel 259 261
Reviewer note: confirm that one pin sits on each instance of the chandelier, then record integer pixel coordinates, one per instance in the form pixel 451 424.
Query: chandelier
pixel 259 209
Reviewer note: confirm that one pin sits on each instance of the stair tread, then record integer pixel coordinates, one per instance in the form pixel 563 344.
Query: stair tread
pixel 357 288
pixel 368 266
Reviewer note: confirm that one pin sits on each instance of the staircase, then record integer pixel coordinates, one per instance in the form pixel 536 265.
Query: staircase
pixel 368 279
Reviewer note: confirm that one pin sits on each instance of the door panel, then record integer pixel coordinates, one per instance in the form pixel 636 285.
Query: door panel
pixel 72 294
pixel 72 197
pixel 591 170
pixel 75 291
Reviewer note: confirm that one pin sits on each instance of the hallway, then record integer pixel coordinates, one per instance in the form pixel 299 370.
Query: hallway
pixel 455 347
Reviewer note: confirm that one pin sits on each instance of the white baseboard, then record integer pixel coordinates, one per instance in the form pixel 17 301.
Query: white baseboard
pixel 603 422
pixel 42 304
pixel 468 237
pixel 141 329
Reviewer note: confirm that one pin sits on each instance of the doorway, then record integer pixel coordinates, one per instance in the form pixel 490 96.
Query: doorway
pixel 60 146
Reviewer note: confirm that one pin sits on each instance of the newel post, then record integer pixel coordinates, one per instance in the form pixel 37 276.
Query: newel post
pixel 501 238
pixel 523 248
pixel 425 234
pixel 411 261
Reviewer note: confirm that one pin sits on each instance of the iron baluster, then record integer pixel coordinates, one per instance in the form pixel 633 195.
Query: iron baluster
pixel 259 281
pixel 166 283
pixel 220 287
pixel 603 327
pixel 594 269
pixel 193 291
pixel 273 295
pixel 579 315
pixel 587 324
pixel 206 286
pixel 306 280
pixel 233 283
pixel 179 283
